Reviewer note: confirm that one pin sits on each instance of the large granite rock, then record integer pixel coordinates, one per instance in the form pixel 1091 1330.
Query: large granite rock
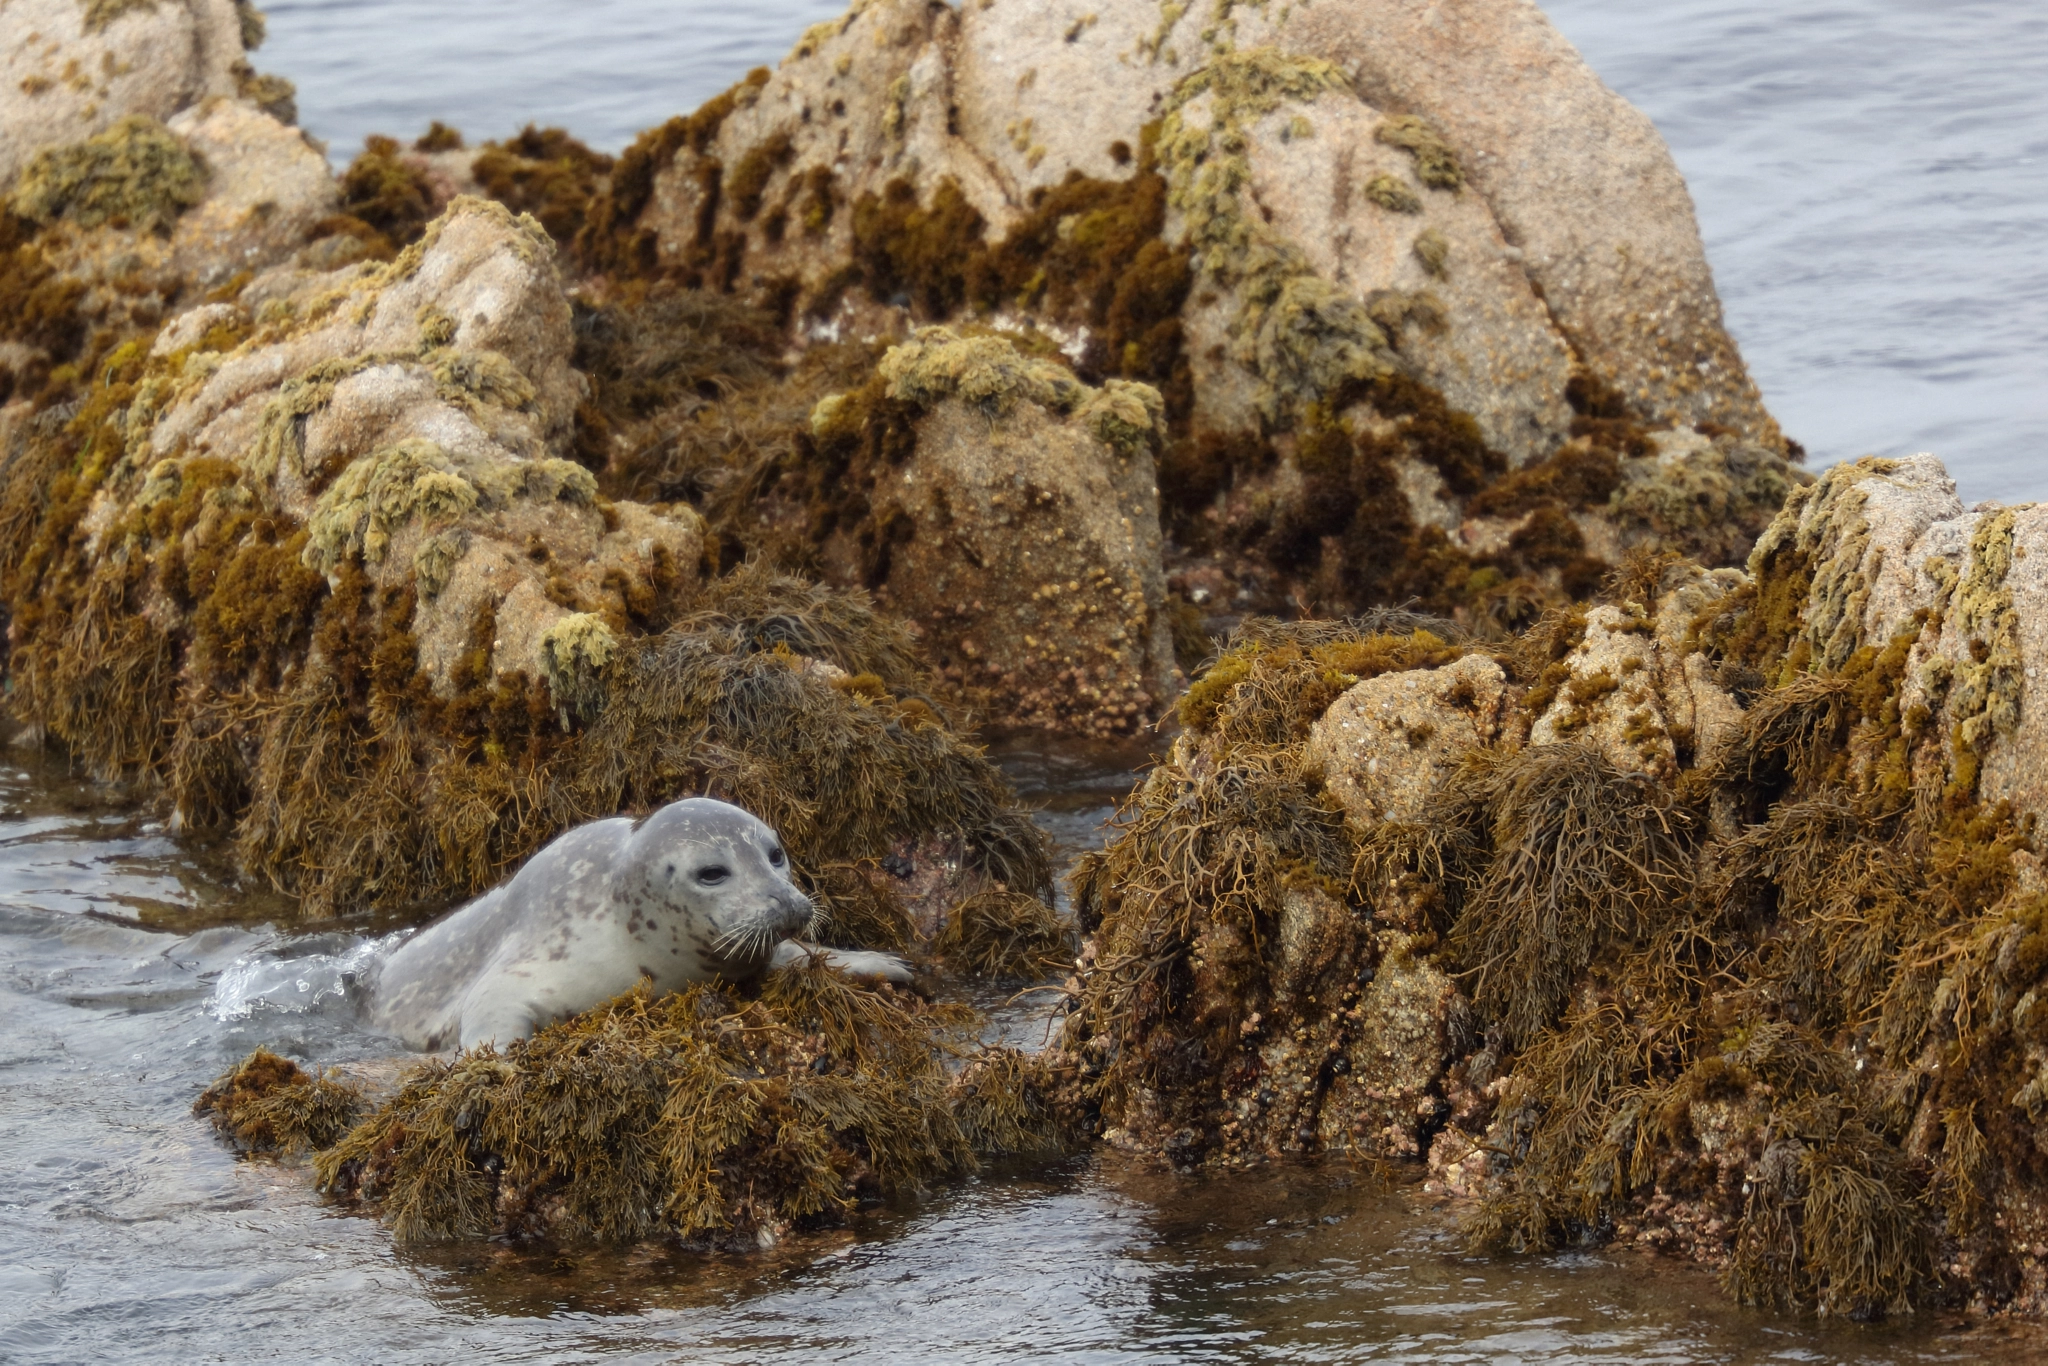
pixel 414 418
pixel 73 68
pixel 1387 150
pixel 1015 521
pixel 1414 343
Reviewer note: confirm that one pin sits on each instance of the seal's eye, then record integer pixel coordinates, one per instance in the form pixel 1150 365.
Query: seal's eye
pixel 713 875
pixel 775 857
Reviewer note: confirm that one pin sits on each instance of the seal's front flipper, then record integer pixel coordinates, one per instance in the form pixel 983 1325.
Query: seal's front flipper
pixel 882 967
pixel 496 1022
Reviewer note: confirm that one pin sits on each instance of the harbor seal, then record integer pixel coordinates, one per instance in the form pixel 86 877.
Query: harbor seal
pixel 700 889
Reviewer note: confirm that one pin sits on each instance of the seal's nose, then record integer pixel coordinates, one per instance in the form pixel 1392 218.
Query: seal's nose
pixel 794 913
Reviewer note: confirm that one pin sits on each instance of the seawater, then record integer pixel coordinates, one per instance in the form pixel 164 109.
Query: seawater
pixel 1871 175
pixel 128 1234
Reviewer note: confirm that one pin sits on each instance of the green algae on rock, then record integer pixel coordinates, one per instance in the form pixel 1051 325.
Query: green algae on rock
pixel 135 174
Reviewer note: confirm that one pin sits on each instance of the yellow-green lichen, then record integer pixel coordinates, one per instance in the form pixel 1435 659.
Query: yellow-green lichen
pixel 1126 415
pixel 437 329
pixel 1392 194
pixel 281 431
pixel 255 27
pixel 574 654
pixel 1298 334
pixel 433 564
pixel 380 494
pixel 274 95
pixel 1435 162
pixel 987 373
pixel 1304 337
pixel 1434 252
pixel 892 109
pixel 1984 687
pixel 100 13
pixel 136 174
pixel 1814 552
pixel 473 380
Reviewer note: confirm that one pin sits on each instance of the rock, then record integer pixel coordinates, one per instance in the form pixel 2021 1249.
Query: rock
pixel 75 67
pixel 312 568
pixel 1410 1024
pixel 1739 911
pixel 1617 256
pixel 1020 532
pixel 1005 101
pixel 414 420
pixel 269 186
pixel 1387 743
pixel 145 219
pixel 1881 553
pixel 1311 233
pixel 1635 687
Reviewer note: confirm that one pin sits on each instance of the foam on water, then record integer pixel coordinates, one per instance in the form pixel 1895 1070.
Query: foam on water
pixel 297 982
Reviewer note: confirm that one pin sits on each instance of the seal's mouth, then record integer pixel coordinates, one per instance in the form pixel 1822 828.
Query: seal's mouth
pixel 798 915
pixel 756 939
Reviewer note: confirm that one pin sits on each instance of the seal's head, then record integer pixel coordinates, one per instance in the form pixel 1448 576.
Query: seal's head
pixel 721 874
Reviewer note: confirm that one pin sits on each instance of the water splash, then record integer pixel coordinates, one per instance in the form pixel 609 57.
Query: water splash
pixel 297 984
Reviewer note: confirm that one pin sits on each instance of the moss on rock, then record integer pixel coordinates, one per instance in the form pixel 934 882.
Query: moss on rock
pixel 135 174
pixel 1435 163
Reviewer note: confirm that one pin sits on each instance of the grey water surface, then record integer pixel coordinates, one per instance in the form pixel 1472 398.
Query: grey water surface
pixel 1871 175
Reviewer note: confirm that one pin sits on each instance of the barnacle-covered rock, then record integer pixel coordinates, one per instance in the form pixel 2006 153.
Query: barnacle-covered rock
pixel 1387 743
pixel 1013 516
pixel 1726 940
